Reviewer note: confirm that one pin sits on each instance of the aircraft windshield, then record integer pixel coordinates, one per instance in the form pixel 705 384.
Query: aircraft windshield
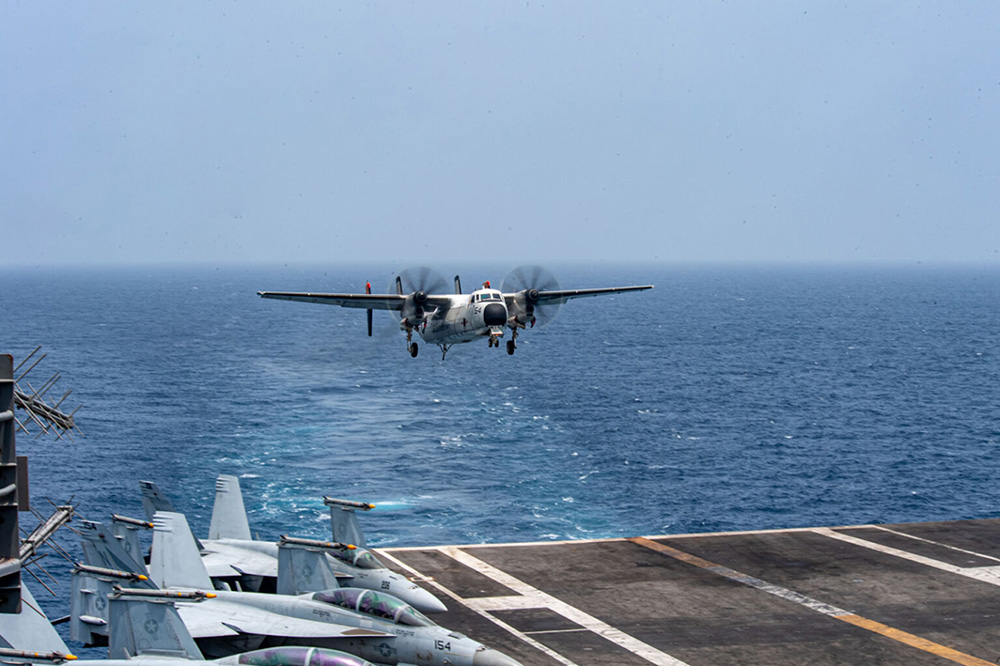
pixel 362 559
pixel 299 656
pixel 375 604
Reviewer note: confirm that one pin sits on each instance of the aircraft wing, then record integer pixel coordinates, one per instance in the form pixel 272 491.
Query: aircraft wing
pixel 223 559
pixel 363 301
pixel 227 619
pixel 360 301
pixel 563 295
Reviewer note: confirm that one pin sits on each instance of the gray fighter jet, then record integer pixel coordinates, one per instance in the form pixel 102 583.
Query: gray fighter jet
pixel 373 625
pixel 145 626
pixel 230 554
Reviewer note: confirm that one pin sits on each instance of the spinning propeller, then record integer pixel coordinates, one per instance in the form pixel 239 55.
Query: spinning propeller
pixel 526 282
pixel 416 284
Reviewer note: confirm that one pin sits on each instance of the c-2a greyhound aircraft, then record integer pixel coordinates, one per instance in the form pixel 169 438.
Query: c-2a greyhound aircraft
pixel 528 295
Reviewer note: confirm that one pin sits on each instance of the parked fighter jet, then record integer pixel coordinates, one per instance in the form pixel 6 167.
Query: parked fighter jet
pixel 528 294
pixel 145 625
pixel 370 624
pixel 230 555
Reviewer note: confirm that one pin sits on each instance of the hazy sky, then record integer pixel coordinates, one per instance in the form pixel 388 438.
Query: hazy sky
pixel 430 132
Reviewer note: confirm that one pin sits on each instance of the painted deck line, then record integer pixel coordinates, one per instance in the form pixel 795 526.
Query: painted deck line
pixel 539 599
pixel 519 544
pixel 989 575
pixel 937 543
pixel 816 605
pixel 495 620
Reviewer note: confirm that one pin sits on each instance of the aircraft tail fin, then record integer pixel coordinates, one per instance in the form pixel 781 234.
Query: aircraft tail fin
pixel 126 531
pixel 176 561
pixel 102 549
pixel 142 626
pixel 344 525
pixel 153 499
pixel 303 566
pixel 229 516
pixel 89 608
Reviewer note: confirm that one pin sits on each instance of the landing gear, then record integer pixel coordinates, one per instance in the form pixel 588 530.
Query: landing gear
pixel 411 346
pixel 444 350
pixel 512 343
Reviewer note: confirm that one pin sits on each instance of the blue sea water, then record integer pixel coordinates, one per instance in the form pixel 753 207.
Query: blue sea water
pixel 724 399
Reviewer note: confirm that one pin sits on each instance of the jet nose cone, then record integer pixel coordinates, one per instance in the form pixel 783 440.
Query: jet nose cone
pixel 490 657
pixel 495 314
pixel 425 602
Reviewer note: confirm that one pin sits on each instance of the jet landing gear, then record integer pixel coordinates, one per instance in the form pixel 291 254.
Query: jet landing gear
pixel 512 343
pixel 411 346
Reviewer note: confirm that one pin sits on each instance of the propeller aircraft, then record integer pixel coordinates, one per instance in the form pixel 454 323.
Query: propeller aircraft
pixel 528 295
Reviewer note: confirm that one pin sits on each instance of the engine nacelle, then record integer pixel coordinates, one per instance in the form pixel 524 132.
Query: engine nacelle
pixel 413 309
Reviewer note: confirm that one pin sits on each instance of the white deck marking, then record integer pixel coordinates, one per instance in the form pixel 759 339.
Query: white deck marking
pixel 495 620
pixel 937 543
pixel 539 599
pixel 989 575
pixel 816 605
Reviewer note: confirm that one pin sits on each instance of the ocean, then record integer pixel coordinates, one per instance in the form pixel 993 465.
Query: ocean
pixel 727 398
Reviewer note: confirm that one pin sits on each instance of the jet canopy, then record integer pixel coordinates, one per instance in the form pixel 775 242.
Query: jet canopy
pixel 360 558
pixel 375 604
pixel 300 656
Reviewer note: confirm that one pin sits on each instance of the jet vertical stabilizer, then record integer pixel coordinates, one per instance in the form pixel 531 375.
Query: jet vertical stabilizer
pixel 229 516
pixel 142 626
pixel 176 561
pixel 91 586
pixel 303 566
pixel 126 531
pixel 344 522
pixel 153 499
pixel 102 549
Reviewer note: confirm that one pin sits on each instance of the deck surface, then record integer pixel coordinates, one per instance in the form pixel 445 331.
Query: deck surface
pixel 920 593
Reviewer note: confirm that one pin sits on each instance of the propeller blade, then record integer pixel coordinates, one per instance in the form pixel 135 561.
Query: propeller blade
pixel 531 278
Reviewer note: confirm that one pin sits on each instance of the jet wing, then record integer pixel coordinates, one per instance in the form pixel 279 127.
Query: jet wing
pixel 226 619
pixel 224 559
pixel 563 295
pixel 362 301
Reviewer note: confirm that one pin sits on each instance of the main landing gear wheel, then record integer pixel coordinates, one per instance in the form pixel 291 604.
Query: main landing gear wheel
pixel 413 349
pixel 511 347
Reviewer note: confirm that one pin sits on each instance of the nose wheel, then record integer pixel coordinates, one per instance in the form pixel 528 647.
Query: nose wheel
pixel 413 349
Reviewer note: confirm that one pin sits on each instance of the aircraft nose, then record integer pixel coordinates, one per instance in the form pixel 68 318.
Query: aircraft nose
pixel 495 315
pixel 490 657
pixel 425 602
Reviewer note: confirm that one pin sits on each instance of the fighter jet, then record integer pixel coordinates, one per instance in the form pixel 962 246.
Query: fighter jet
pixel 230 554
pixel 373 625
pixel 528 294
pixel 145 626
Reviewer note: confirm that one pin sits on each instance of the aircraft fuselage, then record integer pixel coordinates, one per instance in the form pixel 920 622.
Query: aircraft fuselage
pixel 469 317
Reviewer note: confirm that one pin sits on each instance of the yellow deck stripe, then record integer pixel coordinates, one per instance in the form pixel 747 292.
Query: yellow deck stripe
pixel 818 606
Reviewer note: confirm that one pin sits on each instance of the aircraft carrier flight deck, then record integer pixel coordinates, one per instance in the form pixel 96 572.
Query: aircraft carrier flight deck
pixel 919 593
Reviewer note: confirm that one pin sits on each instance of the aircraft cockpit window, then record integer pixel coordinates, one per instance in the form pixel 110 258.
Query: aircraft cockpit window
pixel 344 597
pixel 375 604
pixel 299 656
pixel 365 560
